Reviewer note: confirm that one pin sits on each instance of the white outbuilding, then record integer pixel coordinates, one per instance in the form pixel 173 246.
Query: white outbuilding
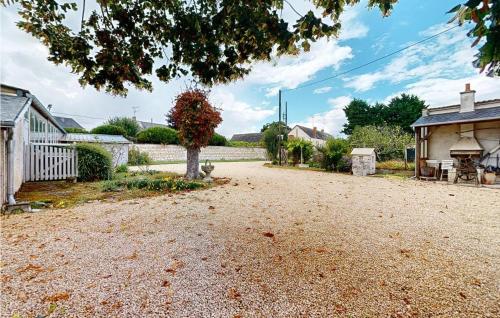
pixel 363 161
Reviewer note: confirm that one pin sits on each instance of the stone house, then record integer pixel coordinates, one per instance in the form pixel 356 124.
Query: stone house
pixel 470 129
pixel 318 138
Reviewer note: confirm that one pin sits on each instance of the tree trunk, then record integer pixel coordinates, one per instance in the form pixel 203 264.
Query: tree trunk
pixel 193 164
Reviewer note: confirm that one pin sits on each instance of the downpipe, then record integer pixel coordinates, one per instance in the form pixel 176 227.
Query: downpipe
pixel 10 167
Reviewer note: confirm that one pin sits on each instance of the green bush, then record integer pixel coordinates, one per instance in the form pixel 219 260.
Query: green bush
pixel 294 147
pixel 76 130
pixel 217 140
pixel 94 162
pixel 121 168
pixel 109 130
pixel 158 135
pixel 138 158
pixel 333 152
pixel 389 141
pixel 129 125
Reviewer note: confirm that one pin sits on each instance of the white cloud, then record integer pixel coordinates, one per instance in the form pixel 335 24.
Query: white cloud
pixel 447 56
pixel 443 91
pixel 352 27
pixel 291 71
pixel 322 90
pixel 332 120
pixel 239 117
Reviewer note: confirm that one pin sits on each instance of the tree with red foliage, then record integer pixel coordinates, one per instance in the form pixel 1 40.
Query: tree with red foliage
pixel 196 120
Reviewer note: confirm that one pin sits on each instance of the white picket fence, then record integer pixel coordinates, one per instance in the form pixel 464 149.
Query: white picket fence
pixel 50 162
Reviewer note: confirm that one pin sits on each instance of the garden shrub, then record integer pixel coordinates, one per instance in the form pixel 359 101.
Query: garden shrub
pixel 109 130
pixel 389 141
pixel 217 140
pixel 344 164
pixel 163 184
pixel 121 168
pixel 158 135
pixel 332 153
pixel 294 147
pixel 94 162
pixel 129 125
pixel 138 158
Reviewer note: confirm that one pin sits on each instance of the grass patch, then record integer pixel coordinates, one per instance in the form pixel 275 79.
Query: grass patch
pixel 395 165
pixel 124 186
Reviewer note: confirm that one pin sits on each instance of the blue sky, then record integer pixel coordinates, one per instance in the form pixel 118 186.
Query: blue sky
pixel 436 71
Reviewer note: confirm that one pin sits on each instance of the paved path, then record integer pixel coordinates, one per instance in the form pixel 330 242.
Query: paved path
pixel 271 243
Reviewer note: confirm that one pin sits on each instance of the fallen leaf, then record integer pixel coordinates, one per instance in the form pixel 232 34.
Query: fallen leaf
pixel 233 294
pixel 462 294
pixel 165 283
pixel 56 297
pixel 268 234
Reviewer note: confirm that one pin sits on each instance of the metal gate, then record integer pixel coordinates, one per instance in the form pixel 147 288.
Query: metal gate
pixel 50 162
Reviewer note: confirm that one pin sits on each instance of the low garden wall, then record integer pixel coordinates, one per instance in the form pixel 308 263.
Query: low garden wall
pixel 178 153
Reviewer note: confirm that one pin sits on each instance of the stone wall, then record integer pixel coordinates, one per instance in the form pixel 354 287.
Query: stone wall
pixel 178 153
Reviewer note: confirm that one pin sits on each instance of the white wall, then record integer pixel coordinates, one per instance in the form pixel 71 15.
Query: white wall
pixel 119 152
pixel 178 153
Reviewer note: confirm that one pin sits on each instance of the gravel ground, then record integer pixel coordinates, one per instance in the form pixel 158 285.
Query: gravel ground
pixel 271 243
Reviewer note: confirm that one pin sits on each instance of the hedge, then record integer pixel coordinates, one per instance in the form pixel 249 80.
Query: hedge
pixel 109 130
pixel 158 135
pixel 94 162
pixel 217 140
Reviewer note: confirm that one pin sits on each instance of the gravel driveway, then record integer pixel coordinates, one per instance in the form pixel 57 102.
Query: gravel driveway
pixel 271 243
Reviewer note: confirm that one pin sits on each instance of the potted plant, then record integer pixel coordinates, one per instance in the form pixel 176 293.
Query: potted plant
pixel 489 176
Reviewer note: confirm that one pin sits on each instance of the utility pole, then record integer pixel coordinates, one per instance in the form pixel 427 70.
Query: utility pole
pixel 279 126
pixel 286 115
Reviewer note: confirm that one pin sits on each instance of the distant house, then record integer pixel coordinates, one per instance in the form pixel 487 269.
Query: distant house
pixel 469 130
pixel 250 137
pixel 23 121
pixel 146 124
pixel 67 122
pixel 318 138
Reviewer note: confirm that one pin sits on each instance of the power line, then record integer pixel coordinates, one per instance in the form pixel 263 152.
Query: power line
pixel 78 115
pixel 370 62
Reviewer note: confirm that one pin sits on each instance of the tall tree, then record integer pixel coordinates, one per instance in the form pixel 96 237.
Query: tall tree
pixel 402 111
pixel 196 121
pixel 359 113
pixel 119 41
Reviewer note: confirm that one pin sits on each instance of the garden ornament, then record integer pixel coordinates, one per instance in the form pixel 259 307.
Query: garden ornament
pixel 207 168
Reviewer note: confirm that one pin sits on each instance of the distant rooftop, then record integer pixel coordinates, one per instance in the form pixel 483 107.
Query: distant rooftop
pixel 68 122
pixel 319 134
pixel 250 137
pixel 147 124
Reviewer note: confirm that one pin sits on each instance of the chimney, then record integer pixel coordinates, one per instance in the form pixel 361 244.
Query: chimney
pixel 467 99
pixel 315 132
